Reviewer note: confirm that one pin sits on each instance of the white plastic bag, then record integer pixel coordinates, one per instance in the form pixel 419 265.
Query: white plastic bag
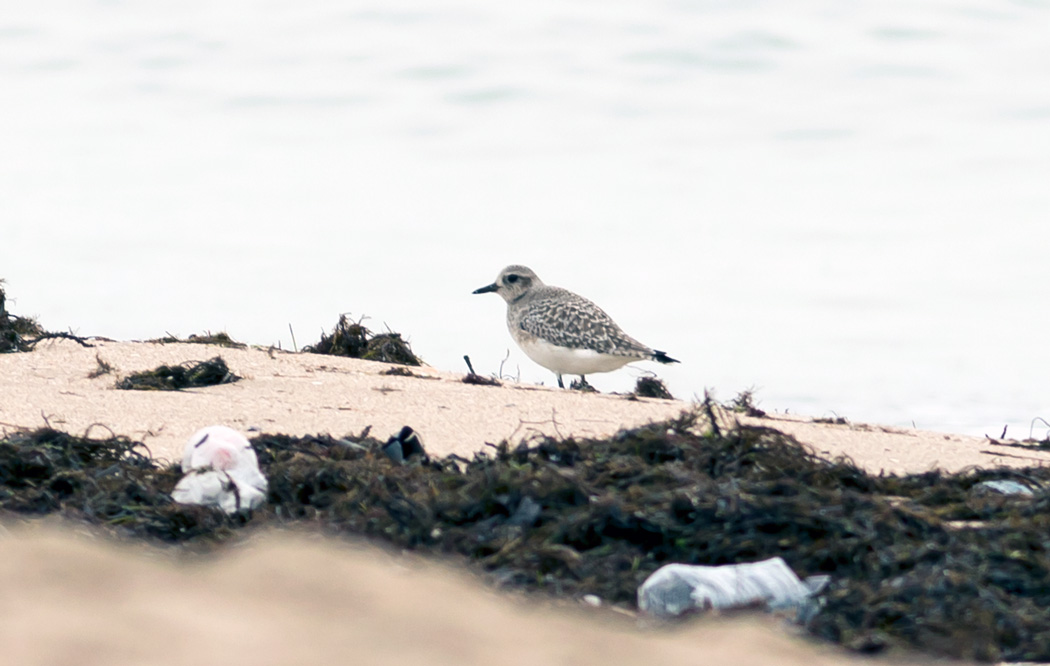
pixel 222 470
pixel 674 589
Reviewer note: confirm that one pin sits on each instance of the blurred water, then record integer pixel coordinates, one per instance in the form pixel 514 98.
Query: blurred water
pixel 841 204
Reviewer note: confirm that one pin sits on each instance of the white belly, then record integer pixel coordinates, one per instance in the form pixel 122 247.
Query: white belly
pixel 566 361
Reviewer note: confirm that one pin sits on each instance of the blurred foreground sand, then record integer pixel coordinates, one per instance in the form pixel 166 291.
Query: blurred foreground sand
pixel 284 599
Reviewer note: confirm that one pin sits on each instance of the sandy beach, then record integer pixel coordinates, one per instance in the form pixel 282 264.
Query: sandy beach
pixel 300 394
pixel 277 598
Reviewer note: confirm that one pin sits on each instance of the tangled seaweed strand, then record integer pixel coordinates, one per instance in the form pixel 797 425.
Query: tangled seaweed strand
pixel 574 517
pixel 350 338
pixel 176 377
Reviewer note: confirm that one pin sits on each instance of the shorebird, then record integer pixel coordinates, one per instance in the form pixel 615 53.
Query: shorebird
pixel 562 331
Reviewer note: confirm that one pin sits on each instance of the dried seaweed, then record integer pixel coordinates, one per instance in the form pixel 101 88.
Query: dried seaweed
pixel 353 339
pixel 112 483
pixel 189 374
pixel 475 379
pixel 744 403
pixel 220 339
pixel 923 561
pixel 597 516
pixel 16 333
pixel 581 384
pixel 390 348
pixel 478 380
pixel 399 371
pixel 651 387
pixel 103 367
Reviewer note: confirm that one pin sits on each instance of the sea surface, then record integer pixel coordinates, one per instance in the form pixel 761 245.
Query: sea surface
pixel 843 206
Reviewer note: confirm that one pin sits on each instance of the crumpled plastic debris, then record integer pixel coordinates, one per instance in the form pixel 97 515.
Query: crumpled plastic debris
pixel 221 470
pixel 674 589
pixel 1002 487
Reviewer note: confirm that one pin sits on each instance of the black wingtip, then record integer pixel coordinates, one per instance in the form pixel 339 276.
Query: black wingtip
pixel 661 357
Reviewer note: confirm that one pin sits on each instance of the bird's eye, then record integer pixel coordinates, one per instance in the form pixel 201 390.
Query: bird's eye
pixel 511 279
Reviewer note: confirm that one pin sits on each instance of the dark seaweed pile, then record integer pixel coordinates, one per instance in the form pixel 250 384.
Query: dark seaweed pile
pixel 573 517
pixel 651 387
pixel 189 374
pixel 353 339
pixel 17 334
pixel 112 482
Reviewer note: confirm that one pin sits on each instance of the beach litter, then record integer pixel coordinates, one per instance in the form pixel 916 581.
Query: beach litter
pixel 221 470
pixel 676 589
pixel 1004 487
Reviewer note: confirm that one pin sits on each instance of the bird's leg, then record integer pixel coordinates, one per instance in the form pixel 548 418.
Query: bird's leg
pixel 560 384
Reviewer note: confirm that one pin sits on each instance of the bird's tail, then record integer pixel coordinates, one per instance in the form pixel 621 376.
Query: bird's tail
pixel 661 357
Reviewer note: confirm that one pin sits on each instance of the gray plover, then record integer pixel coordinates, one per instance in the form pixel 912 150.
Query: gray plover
pixel 562 331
